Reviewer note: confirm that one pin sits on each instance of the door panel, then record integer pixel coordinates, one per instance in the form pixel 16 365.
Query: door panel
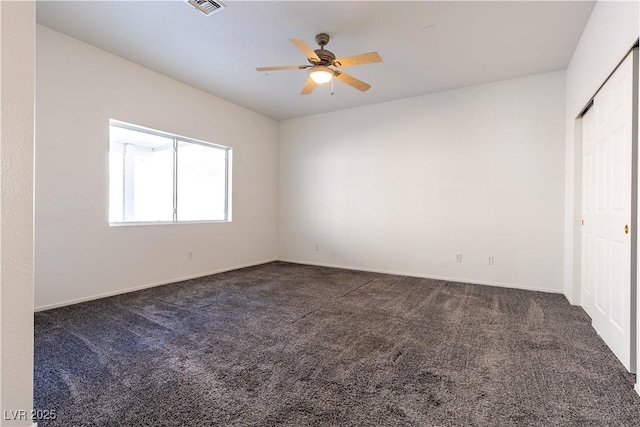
pixel 619 187
pixel 600 262
pixel 606 210
pixel 618 278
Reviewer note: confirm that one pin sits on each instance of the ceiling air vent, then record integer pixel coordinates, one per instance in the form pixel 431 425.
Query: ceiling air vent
pixel 207 6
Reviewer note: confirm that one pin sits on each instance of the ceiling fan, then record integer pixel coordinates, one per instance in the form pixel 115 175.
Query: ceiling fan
pixel 321 59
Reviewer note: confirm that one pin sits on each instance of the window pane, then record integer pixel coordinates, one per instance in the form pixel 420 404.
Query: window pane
pixel 147 187
pixel 201 182
pixel 159 177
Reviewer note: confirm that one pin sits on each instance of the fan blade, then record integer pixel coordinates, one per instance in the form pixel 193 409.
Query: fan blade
pixel 352 81
pixel 304 48
pixel 365 58
pixel 284 67
pixel 308 87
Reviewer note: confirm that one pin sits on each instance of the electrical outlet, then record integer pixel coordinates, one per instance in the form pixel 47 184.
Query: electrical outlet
pixel 490 259
pixel 190 255
pixel 458 257
pixel 317 246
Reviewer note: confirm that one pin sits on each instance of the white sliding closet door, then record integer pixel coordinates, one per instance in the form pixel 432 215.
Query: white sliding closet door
pixel 606 212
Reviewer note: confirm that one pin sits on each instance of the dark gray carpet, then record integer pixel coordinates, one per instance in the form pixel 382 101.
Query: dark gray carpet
pixel 286 344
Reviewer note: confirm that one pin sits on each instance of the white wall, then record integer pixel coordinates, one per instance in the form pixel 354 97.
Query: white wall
pixel 17 38
pixel 609 34
pixel 403 186
pixel 78 256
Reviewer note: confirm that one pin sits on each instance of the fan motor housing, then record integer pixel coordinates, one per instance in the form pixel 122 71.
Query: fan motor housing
pixel 326 57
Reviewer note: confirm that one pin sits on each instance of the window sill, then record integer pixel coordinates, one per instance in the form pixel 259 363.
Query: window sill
pixel 130 224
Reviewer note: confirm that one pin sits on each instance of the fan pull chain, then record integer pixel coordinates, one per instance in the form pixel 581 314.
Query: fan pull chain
pixel 332 86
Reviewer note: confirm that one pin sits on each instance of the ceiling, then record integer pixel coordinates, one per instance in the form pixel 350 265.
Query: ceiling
pixel 426 46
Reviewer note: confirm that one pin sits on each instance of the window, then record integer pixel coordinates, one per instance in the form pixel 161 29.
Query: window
pixel 159 177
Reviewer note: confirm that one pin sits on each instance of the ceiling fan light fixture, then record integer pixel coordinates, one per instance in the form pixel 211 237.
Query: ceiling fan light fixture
pixel 320 74
pixel 321 59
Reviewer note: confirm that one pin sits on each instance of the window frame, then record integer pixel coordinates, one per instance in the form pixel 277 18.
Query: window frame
pixel 176 140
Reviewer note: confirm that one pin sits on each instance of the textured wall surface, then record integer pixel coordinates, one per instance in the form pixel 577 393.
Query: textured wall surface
pixel 17 38
pixel 78 254
pixel 405 186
